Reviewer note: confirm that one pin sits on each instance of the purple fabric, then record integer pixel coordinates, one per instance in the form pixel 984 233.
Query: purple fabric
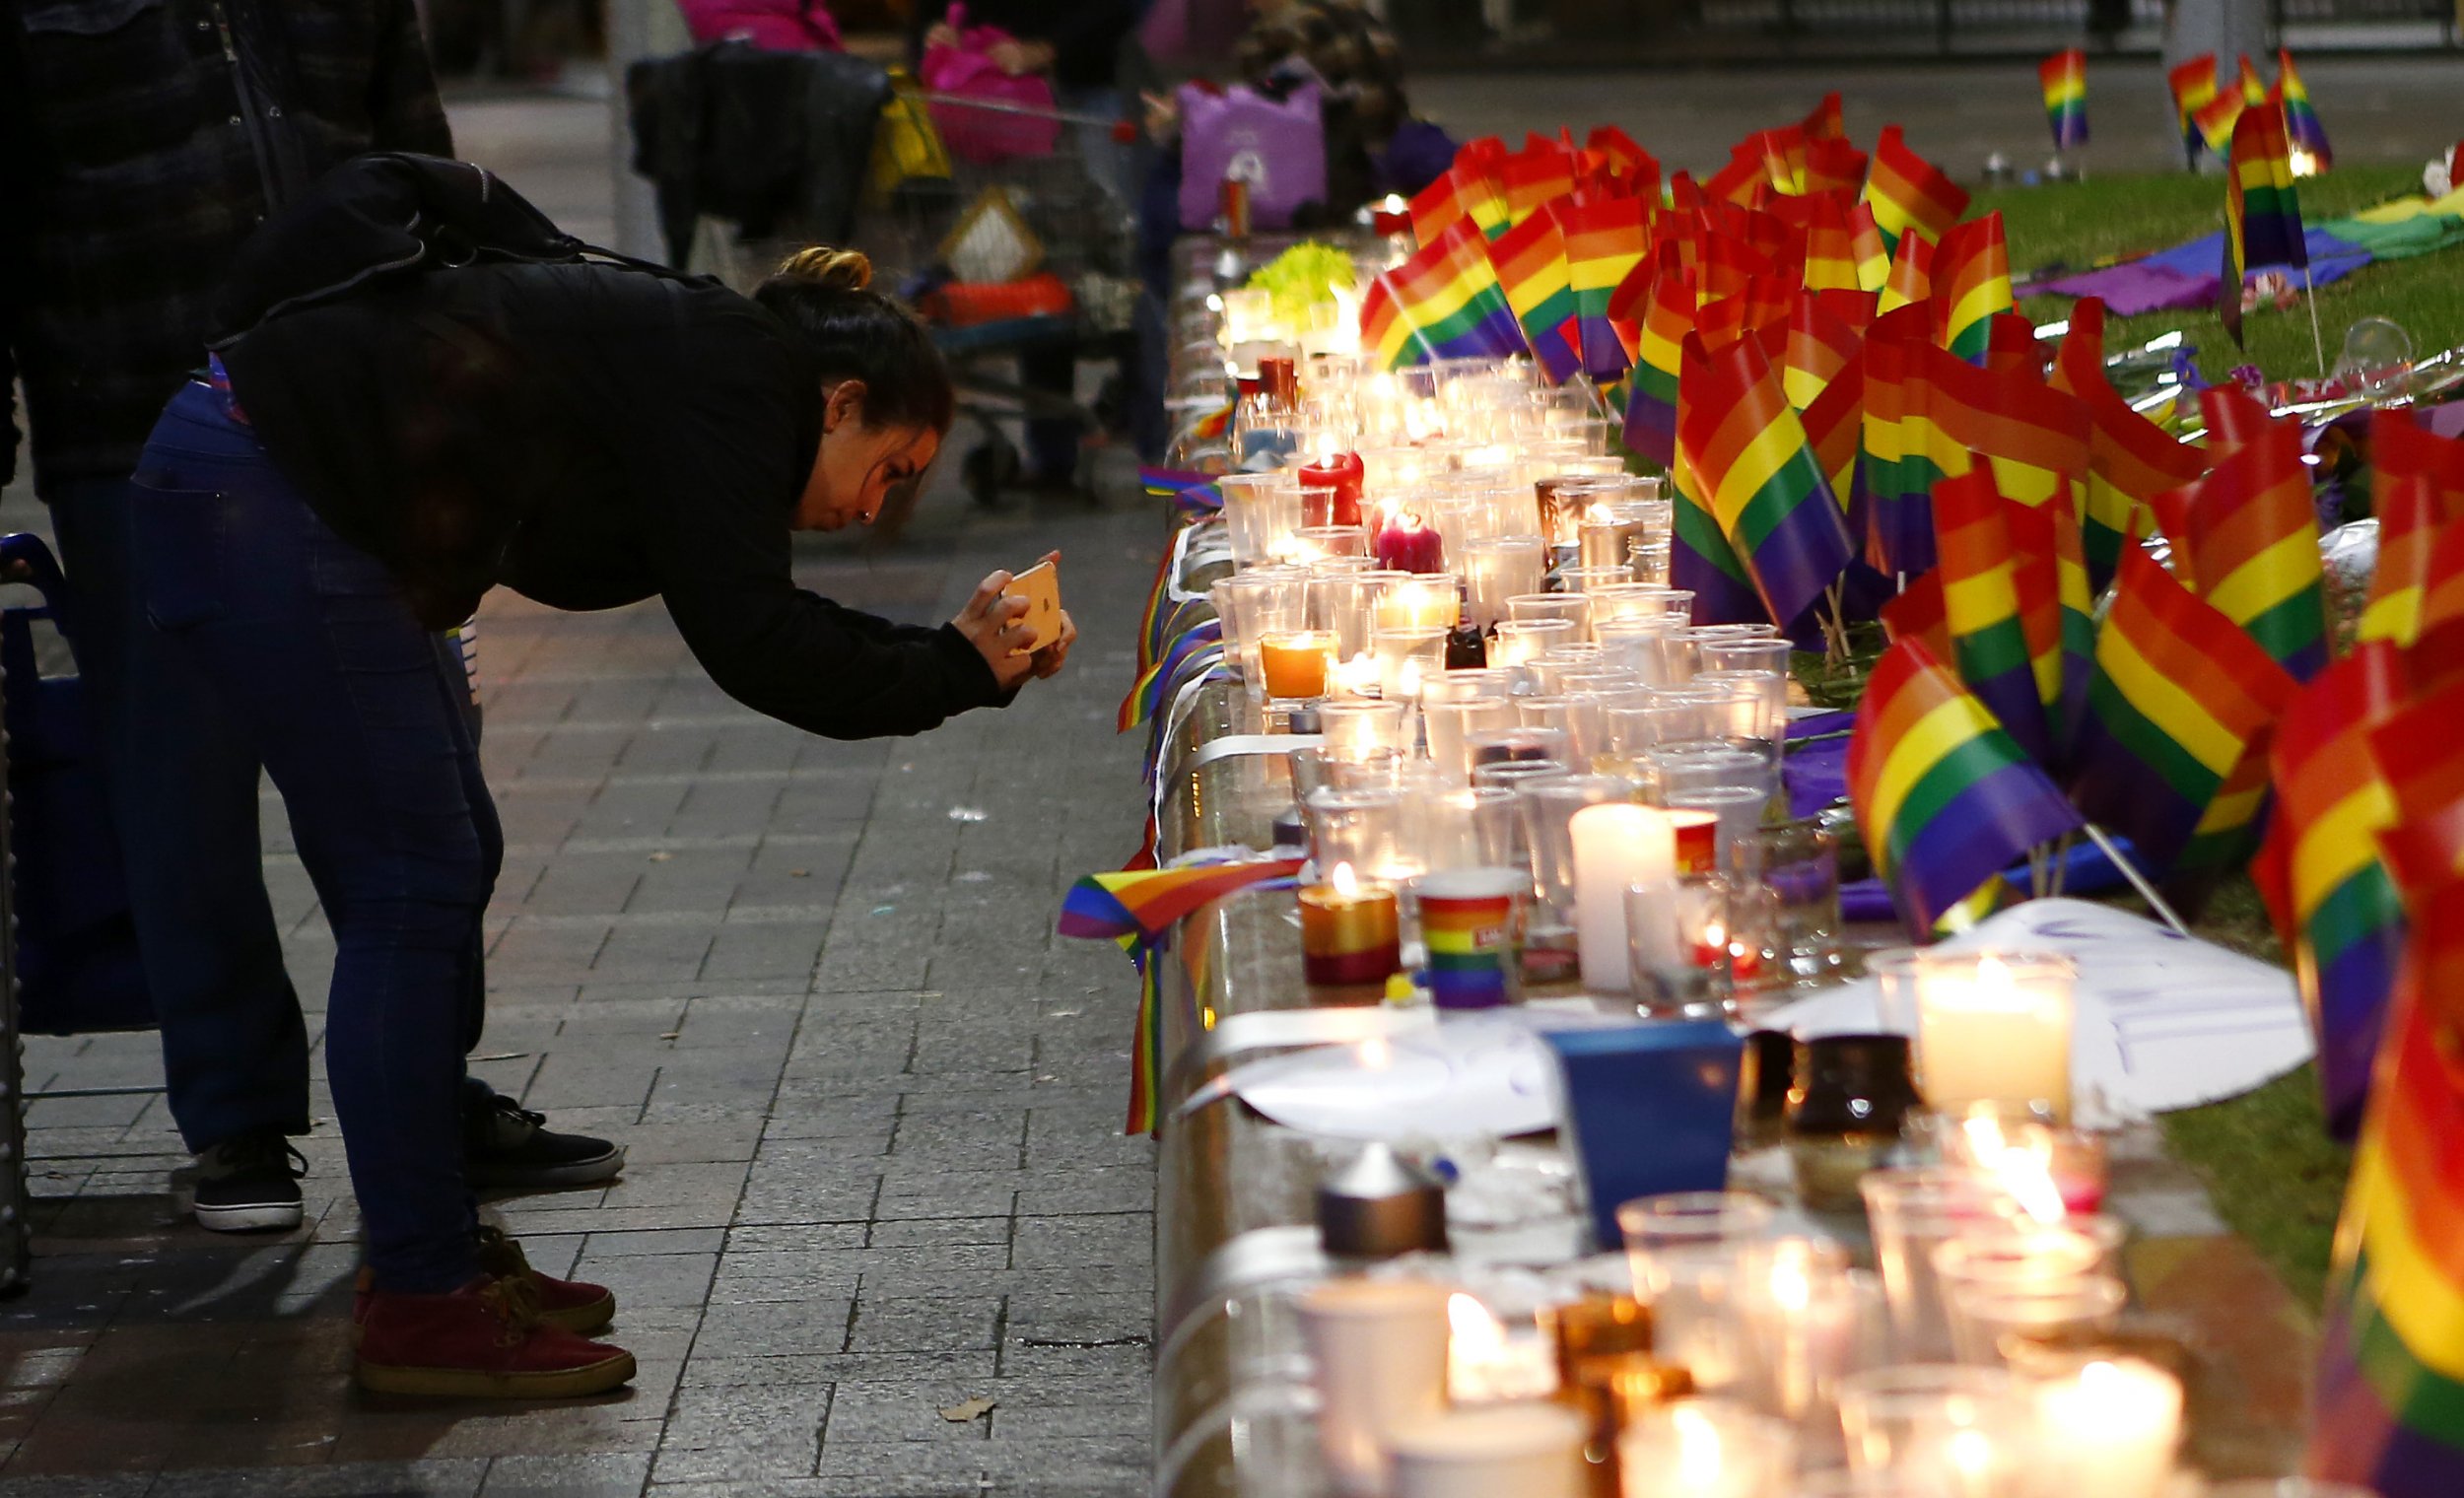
pixel 2188 275
pixel 1275 144
pixel 1815 775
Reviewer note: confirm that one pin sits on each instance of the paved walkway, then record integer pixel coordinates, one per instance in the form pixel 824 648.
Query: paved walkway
pixel 873 1104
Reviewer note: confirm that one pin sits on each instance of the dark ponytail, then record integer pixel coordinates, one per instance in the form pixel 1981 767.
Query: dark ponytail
pixel 853 333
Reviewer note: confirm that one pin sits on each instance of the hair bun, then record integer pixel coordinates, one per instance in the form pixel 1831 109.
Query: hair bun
pixel 820 265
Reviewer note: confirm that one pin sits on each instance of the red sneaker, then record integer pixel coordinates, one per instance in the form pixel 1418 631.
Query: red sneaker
pixel 483 1341
pixel 568 1305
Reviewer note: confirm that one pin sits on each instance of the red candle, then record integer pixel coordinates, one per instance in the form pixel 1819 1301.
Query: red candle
pixel 1405 545
pixel 1341 472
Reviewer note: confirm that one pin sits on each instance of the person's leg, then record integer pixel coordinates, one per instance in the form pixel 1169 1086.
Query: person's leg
pixel 183 784
pixel 1049 368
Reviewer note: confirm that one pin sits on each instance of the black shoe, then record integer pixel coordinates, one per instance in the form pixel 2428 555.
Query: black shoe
pixel 249 1185
pixel 506 1145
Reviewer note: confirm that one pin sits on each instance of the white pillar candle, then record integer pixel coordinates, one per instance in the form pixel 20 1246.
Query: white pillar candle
pixel 1527 1451
pixel 2110 1429
pixel 1615 847
pixel 1380 1349
pixel 1994 1031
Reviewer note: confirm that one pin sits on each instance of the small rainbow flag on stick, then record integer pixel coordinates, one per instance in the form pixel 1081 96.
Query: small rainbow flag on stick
pixel 2301 124
pixel 1906 191
pixel 1971 280
pixel 2262 213
pixel 2194 88
pixel 2131 460
pixel 1944 798
pixel 1746 449
pixel 2064 76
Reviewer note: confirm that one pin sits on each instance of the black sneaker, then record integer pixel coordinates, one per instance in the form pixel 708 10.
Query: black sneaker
pixel 249 1185
pixel 505 1144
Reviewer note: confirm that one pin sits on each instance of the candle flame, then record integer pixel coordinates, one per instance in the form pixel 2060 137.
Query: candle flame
pixel 1345 883
pixel 1598 513
pixel 2025 1168
pixel 1993 979
pixel 1698 1457
pixel 1476 1335
pixel 1408 680
pixel 1971 1452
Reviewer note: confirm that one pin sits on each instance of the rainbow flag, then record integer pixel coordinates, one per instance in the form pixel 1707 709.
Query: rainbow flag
pixel 2194 86
pixel 1468 191
pixel 1833 165
pixel 1824 122
pixel 1137 909
pixel 1605 240
pixel 1530 260
pixel 1652 395
pixel 2253 86
pixel 1815 345
pixel 2417 490
pixel 2215 122
pixel 1199 649
pixel 1897 477
pixel 2064 78
pixel 1873 253
pixel 1743 181
pixel 2388 1408
pixel 1635 169
pixel 1746 449
pixel 2130 458
pixel 2034 437
pixel 1190 494
pixel 1906 191
pixel 1980 589
pixel 2178 693
pixel 2056 608
pixel 1830 247
pixel 2262 209
pixel 1973 264
pixel 1700 556
pixel 1944 798
pixel 2245 538
pixel 1532 177
pixel 2301 123
pixel 1911 277
pixel 2347 923
pixel 1920 613
pixel 1447 301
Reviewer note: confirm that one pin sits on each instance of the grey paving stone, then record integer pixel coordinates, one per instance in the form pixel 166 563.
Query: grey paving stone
pixel 941 1323
pixel 1121 1238
pixel 608 1476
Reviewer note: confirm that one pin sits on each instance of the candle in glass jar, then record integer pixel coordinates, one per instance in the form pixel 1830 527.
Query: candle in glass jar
pixel 2111 1429
pixel 1600 539
pixel 1348 932
pixel 1343 473
pixel 1994 1029
pixel 1704 1449
pixel 1420 603
pixel 1295 663
pixel 1405 545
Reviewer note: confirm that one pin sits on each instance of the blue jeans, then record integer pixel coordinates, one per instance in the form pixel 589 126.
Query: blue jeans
pixel 315 657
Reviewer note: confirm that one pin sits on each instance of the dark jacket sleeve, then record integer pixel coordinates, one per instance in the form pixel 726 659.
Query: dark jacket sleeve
pixel 406 113
pixel 717 525
pixel 17 148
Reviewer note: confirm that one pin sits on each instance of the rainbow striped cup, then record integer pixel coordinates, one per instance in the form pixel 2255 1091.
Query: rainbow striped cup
pixel 1471 921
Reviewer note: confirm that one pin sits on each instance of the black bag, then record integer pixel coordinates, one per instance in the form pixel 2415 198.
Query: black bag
pixel 381 215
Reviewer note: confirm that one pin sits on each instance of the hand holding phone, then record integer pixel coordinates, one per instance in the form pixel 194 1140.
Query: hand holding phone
pixel 1040 587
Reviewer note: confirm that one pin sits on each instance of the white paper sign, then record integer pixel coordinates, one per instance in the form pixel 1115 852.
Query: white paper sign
pixel 2162 1023
pixel 1486 1075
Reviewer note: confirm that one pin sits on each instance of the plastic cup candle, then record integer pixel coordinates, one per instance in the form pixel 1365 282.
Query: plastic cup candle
pixel 1362 730
pixel 1497 569
pixel 1705 1449
pixel 1405 544
pixel 1348 932
pixel 1602 537
pixel 1994 1028
pixel 1528 1450
pixel 2110 1429
pixel 1615 848
pixel 1486 1363
pixel 1355 678
pixel 1419 604
pixel 1297 662
pixel 1407 659
pixel 1343 473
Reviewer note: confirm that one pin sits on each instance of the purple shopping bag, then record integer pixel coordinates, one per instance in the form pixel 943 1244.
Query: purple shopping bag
pixel 968 74
pixel 1278 146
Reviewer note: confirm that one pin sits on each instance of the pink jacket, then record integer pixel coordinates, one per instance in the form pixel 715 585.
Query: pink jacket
pixel 777 26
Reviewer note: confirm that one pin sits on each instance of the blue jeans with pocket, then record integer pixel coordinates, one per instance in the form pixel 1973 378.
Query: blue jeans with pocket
pixel 358 715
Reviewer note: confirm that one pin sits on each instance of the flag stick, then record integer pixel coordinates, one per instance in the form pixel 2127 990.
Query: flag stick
pixel 2138 880
pixel 2318 346
pixel 1834 625
pixel 1591 387
pixel 2062 862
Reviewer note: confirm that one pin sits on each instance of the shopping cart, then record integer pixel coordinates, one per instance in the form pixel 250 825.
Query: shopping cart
pixel 1028 254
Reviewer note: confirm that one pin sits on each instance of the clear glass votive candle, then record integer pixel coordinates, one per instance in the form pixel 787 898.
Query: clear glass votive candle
pixel 1755 702
pixel 1989 1026
pixel 1356 729
pixel 1407 661
pixel 1912 1213
pixel 1591 580
pixel 1962 1432
pixel 1706 1449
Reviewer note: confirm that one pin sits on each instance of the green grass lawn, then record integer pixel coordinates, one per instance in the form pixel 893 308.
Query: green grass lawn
pixel 2080 225
pixel 2270 1168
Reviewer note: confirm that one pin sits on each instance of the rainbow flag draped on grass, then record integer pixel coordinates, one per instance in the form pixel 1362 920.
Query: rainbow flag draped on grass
pixel 1906 191
pixel 2131 460
pixel 2301 123
pixel 2345 926
pixel 2388 1407
pixel 1972 279
pixel 1944 797
pixel 1137 909
pixel 1745 448
pixel 1531 264
pixel 2262 209
pixel 1443 302
pixel 2245 538
pixel 2179 692
pixel 2064 78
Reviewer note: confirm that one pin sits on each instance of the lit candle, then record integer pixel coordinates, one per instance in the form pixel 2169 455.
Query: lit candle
pixel 1295 663
pixel 1356 677
pixel 1996 1031
pixel 1416 655
pixel 1704 1449
pixel 1348 933
pixel 2110 1430
pixel 1420 603
pixel 1600 538
pixel 1405 545
pixel 1343 473
pixel 1484 1364
pixel 1616 846
pixel 1528 1450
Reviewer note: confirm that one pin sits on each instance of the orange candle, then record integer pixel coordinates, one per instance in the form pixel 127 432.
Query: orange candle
pixel 1348 932
pixel 1297 662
